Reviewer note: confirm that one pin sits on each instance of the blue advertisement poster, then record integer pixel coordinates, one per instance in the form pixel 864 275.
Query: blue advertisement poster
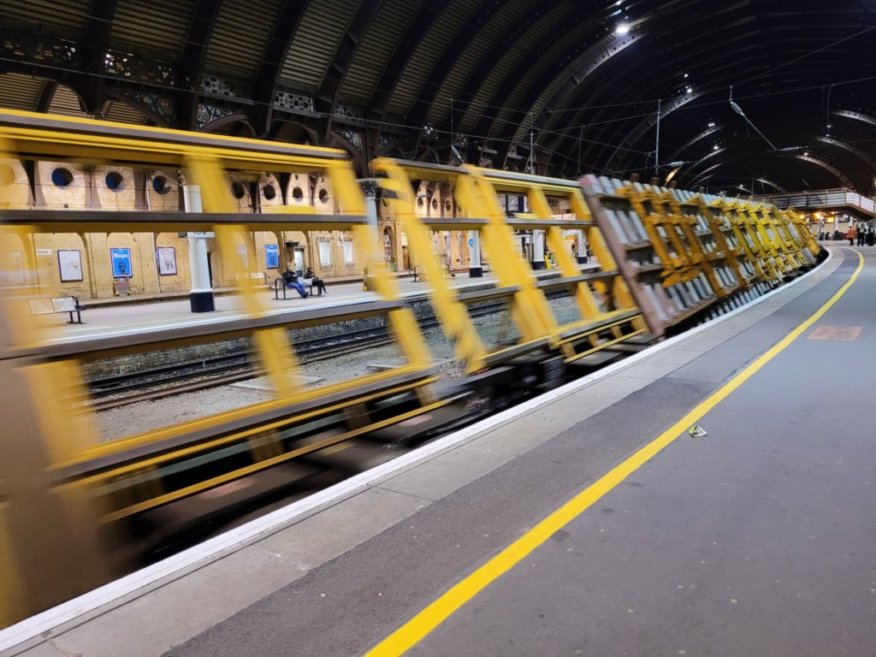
pixel 121 259
pixel 272 256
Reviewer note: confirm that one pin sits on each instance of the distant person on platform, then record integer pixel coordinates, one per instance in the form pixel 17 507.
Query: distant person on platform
pixel 315 281
pixel 862 234
pixel 851 235
pixel 290 278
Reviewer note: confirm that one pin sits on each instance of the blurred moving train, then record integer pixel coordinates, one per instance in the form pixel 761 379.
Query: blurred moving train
pixel 76 510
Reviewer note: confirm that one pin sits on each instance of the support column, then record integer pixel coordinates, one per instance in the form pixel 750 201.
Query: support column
pixel 369 186
pixel 201 295
pixel 538 250
pixel 475 270
pixel 581 256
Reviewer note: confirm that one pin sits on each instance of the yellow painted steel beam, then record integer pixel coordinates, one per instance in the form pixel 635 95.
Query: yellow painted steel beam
pixel 97 141
pixel 262 465
pixel 698 256
pixel 749 239
pixel 806 238
pixel 451 313
pixel 218 421
pixel 675 269
pixel 190 450
pixel 720 233
pixel 602 254
pixel 587 305
pixel 529 307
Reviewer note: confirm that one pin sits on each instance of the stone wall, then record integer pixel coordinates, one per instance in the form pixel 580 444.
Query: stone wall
pixel 159 263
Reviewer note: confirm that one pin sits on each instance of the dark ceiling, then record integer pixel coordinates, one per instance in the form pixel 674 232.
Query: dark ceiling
pixel 481 81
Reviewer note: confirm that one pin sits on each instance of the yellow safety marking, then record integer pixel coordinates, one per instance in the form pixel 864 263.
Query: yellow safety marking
pixel 418 627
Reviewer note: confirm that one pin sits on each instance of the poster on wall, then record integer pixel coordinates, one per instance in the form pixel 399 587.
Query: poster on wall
pixel 70 265
pixel 121 260
pixel 272 256
pixel 166 256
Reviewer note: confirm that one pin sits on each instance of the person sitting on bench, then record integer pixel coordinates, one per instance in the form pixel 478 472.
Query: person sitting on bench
pixel 292 282
pixel 315 281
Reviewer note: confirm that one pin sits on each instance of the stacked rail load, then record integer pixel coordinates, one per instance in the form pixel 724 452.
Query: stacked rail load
pixel 689 257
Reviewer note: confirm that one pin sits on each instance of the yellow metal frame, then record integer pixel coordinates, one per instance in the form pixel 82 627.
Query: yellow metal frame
pixel 712 247
pixel 477 192
pixel 67 430
pixel 753 243
pixel 617 294
pixel 721 229
pixel 207 166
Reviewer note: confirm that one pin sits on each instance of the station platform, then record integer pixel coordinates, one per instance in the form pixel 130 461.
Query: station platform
pixel 116 317
pixel 593 520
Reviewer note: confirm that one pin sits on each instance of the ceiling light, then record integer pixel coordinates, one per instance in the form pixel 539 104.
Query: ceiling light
pixel 711 124
pixel 622 29
pixel 686 76
pixel 689 89
pixel 715 147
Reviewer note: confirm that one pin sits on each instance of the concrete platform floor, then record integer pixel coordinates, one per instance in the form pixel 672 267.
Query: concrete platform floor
pixel 755 539
pixel 132 315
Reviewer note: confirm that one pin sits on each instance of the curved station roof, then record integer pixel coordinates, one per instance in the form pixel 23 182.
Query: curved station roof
pixel 741 96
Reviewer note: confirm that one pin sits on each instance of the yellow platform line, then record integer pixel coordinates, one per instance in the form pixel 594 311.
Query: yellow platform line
pixel 418 627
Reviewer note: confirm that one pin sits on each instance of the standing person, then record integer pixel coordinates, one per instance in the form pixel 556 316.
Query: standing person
pixel 861 235
pixel 851 235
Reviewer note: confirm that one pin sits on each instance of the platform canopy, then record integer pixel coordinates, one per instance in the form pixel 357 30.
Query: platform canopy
pixel 563 87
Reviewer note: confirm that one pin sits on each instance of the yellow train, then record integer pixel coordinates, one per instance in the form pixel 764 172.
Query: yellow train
pixel 75 511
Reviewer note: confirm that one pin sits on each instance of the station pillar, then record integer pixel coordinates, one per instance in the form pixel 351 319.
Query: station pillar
pixel 475 270
pixel 369 187
pixel 538 250
pixel 201 295
pixel 581 255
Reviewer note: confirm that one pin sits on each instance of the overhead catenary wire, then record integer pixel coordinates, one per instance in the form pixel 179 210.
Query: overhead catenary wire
pixel 541 133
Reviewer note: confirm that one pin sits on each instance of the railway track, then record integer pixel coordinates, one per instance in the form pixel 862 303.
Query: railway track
pixel 212 371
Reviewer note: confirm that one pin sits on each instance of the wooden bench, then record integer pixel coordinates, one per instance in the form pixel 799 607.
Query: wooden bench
pixel 308 283
pixel 68 305
pixel 420 275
